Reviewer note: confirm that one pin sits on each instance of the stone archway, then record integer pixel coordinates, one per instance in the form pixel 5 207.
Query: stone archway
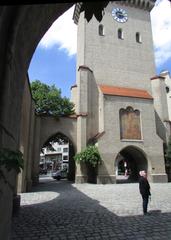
pixel 45 128
pixel 129 161
pixel 71 163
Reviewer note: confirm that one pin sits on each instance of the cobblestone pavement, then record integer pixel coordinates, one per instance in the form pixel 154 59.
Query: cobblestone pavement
pixel 68 211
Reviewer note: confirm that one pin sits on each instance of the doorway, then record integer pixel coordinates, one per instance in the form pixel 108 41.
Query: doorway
pixel 128 163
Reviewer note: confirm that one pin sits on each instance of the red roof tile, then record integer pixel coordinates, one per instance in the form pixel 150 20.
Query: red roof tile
pixel 125 92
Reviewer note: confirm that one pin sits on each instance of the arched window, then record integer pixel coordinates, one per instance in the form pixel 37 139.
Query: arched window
pixel 138 37
pixel 147 5
pixel 130 127
pixel 143 4
pixel 101 30
pixel 120 33
pixel 167 89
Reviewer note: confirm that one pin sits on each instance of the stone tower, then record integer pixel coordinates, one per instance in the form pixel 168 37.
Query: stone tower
pixel 113 95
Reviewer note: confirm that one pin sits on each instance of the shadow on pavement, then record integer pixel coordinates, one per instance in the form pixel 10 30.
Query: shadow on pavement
pixel 72 215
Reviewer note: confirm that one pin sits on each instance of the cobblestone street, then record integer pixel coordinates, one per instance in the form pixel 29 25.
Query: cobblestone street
pixel 68 211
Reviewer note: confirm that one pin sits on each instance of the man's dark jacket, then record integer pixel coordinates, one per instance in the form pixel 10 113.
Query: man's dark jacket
pixel 144 186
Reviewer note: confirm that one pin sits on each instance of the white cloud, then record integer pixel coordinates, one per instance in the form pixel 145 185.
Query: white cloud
pixel 161 28
pixel 62 33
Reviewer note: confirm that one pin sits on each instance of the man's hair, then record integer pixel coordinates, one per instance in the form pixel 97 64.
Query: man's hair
pixel 142 173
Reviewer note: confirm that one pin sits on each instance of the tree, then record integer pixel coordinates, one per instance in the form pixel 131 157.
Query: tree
pixel 168 153
pixel 48 100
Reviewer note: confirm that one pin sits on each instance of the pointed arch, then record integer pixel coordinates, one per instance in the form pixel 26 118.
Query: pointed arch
pixel 60 151
pixel 129 161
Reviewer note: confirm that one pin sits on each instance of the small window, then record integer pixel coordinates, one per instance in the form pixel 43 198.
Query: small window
pixel 120 33
pixel 138 38
pixel 101 30
pixel 65 150
pixel 59 157
pixel 167 89
pixel 65 157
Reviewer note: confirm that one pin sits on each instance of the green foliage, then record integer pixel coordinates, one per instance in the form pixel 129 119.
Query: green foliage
pixel 11 159
pixel 48 100
pixel 90 155
pixel 168 152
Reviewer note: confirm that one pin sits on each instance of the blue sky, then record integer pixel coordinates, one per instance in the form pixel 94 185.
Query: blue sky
pixel 53 66
pixel 54 60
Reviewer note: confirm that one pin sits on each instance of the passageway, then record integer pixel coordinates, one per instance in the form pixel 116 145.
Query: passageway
pixel 129 162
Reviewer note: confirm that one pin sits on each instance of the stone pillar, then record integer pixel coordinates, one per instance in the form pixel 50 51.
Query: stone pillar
pixel 81 175
pixel 6 197
pixel 82 108
pixel 36 151
pixel 26 111
pixel 31 148
pixel 106 173
pixel 160 99
pixel 156 170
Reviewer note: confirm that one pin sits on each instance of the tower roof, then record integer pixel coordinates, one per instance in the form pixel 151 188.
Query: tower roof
pixel 142 4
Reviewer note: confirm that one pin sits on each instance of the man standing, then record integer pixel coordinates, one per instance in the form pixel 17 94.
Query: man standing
pixel 144 188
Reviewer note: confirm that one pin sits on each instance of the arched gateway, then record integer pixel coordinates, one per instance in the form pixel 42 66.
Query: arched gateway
pixel 46 127
pixel 60 139
pixel 129 161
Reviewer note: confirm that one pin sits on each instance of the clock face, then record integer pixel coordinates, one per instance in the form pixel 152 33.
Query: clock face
pixel 119 15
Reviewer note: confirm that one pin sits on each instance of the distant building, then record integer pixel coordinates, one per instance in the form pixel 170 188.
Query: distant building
pixel 57 159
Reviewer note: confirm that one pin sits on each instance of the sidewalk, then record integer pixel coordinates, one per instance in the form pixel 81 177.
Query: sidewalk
pixel 67 211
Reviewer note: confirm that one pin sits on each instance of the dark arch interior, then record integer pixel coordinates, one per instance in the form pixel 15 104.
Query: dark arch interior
pixel 131 161
pixel 57 138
